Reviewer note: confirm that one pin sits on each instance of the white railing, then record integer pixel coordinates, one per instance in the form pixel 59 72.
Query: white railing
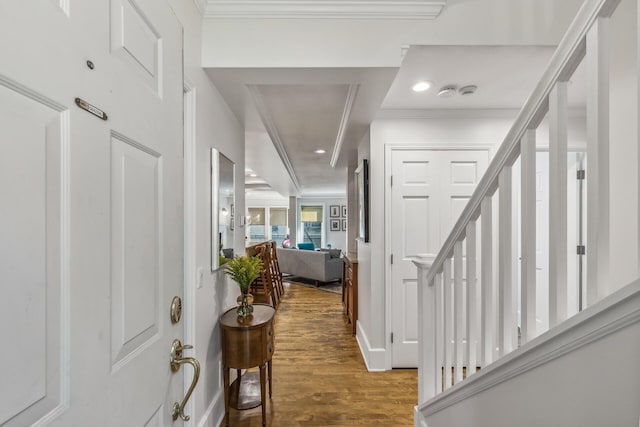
pixel 470 314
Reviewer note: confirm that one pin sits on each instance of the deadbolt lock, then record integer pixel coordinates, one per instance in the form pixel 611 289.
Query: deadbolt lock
pixel 176 309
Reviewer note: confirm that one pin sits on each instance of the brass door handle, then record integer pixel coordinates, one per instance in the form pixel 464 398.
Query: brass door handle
pixel 176 361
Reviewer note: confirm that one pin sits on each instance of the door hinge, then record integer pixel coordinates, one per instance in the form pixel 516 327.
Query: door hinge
pixel 392 180
pixel 581 250
pixel 392 259
pixel 391 337
pixel 580 174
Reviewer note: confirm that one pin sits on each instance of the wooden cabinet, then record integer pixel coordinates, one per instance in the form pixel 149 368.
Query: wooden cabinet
pixel 245 345
pixel 350 289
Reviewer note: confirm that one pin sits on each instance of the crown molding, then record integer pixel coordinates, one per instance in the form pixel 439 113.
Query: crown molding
pixel 324 9
pixel 272 131
pixel 201 5
pixel 344 122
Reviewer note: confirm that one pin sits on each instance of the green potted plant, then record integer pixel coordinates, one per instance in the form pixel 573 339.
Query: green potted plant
pixel 244 270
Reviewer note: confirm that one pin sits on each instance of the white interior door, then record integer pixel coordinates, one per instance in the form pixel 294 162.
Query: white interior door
pixel 430 188
pixel 91 231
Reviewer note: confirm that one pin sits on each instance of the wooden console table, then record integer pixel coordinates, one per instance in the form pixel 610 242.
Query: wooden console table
pixel 350 289
pixel 246 345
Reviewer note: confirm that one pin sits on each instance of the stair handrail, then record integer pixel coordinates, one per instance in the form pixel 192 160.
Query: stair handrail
pixel 570 51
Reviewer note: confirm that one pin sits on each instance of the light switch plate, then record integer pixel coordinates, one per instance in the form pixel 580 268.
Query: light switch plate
pixel 200 281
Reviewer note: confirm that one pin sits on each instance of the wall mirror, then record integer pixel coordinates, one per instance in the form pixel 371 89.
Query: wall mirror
pixel 362 179
pixel 222 208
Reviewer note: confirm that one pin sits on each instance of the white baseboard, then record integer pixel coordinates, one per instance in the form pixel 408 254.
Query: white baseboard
pixel 374 358
pixel 418 418
pixel 214 414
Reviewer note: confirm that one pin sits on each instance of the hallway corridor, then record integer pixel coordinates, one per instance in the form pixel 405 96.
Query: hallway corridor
pixel 319 377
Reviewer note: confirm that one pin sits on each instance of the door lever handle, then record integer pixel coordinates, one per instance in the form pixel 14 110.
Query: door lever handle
pixel 176 361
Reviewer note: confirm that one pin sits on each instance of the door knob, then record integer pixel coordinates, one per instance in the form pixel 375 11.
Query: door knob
pixel 176 361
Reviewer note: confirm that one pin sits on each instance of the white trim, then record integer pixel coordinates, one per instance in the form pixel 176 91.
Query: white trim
pixel 272 131
pixel 615 312
pixel 325 9
pixel 324 196
pixel 475 113
pixel 389 147
pixel 189 305
pixel 374 358
pixel 344 122
pixel 418 418
pixel 201 5
pixel 463 113
pixel 213 411
pixel 64 5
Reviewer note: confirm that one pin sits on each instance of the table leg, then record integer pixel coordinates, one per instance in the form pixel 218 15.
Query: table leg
pixel 269 375
pixel 226 395
pixel 262 393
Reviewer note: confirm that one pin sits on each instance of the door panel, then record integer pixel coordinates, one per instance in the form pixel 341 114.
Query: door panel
pixel 92 244
pixel 135 247
pixel 430 189
pixel 30 256
pixel 415 226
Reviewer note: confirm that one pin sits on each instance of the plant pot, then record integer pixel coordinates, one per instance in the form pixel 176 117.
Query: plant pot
pixel 245 307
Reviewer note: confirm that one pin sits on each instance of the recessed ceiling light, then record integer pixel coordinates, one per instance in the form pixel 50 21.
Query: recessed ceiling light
pixel 447 92
pixel 421 86
pixel 253 175
pixel 319 151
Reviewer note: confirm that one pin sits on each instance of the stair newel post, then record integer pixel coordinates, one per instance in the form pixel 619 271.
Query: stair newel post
pixel 427 324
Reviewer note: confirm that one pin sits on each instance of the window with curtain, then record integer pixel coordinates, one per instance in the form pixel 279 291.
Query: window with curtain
pixel 311 218
pixel 256 226
pixel 278 223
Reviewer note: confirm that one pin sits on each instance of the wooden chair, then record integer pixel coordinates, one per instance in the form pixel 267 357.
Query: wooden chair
pixel 262 288
pixel 276 274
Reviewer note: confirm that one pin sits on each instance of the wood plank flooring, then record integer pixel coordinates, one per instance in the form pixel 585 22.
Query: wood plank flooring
pixel 319 376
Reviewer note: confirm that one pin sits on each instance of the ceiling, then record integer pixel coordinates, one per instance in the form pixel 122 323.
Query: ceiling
pixel 290 113
pixel 297 111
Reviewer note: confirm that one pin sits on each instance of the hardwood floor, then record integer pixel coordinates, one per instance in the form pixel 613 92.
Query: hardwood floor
pixel 319 376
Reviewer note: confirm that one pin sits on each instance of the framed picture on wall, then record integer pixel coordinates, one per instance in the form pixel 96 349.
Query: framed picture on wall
pixel 344 211
pixel 344 225
pixel 335 225
pixel 334 211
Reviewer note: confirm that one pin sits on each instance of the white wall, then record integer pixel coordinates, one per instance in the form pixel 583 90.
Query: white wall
pixel 216 127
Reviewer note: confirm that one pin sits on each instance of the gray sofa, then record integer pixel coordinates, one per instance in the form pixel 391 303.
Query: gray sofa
pixel 321 266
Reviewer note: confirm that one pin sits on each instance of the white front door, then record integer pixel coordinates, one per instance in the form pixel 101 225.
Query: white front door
pixel 429 190
pixel 91 211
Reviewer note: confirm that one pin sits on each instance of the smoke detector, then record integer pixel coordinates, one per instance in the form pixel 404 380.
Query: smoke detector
pixel 447 91
pixel 467 90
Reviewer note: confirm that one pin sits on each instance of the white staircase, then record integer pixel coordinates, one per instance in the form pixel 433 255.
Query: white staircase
pixel 483 359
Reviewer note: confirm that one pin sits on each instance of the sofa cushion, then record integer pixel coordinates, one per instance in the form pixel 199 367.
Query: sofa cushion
pixel 333 253
pixel 307 246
